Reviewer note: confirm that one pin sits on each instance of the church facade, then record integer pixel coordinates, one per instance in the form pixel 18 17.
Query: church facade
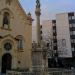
pixel 15 36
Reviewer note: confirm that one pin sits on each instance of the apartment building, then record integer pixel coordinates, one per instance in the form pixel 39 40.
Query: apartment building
pixel 65 24
pixel 50 36
pixel 62 35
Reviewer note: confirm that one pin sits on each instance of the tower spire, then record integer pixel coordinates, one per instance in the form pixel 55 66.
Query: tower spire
pixel 38 13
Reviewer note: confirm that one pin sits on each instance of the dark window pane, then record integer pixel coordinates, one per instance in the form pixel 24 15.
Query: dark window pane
pixel 6 20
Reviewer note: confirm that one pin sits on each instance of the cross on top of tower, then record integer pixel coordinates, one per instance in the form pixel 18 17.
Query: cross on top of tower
pixel 37 3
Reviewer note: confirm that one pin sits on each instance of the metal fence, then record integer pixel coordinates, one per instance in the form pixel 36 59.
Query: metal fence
pixel 61 73
pixel 44 72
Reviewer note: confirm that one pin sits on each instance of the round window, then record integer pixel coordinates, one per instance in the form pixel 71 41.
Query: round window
pixel 7 46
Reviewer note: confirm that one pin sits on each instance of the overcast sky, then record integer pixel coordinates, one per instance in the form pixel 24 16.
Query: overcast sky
pixel 49 7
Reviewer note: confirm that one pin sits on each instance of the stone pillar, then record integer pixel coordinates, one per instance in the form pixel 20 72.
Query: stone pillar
pixel 38 13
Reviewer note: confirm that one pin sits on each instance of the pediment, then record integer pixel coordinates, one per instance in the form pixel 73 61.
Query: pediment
pixel 22 11
pixel 16 9
pixel 5 10
pixel 8 37
pixel 21 8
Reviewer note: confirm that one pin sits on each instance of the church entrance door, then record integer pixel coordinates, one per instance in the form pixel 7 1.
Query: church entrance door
pixel 6 62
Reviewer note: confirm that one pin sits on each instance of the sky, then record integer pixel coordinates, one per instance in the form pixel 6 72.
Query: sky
pixel 49 8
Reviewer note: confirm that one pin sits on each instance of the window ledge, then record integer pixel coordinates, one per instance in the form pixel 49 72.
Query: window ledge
pixel 20 50
pixel 5 28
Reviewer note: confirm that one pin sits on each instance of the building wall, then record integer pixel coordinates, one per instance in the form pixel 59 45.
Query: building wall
pixel 47 29
pixel 63 35
pixel 72 31
pixel 54 40
pixel 19 25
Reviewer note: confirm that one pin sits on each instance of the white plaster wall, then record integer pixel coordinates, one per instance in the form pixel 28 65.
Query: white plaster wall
pixel 63 32
pixel 47 28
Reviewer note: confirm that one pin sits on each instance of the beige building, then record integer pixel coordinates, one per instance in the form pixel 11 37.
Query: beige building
pixel 15 36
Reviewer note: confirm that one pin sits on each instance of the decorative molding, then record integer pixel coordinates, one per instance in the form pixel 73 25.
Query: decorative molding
pixel 6 10
pixel 8 2
pixel 5 28
pixel 20 50
pixel 9 35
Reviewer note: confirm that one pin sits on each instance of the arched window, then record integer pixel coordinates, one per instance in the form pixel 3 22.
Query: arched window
pixel 20 41
pixel 6 20
pixel 8 2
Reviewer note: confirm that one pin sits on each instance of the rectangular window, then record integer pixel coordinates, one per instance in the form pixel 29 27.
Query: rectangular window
pixel 70 17
pixel 71 25
pixel 72 40
pixel 54 44
pixel 41 26
pixel 6 20
pixel 41 32
pixel 73 32
pixel 54 24
pixel 72 21
pixel 71 14
pixel 47 44
pixel 72 36
pixel 63 42
pixel 73 17
pixel 54 37
pixel 54 31
pixel 72 49
pixel 20 44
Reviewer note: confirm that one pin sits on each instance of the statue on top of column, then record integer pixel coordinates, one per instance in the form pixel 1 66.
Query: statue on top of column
pixel 38 3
